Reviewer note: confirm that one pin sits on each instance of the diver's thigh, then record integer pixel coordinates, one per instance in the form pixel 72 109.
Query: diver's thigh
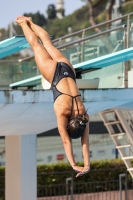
pixel 45 64
pixel 56 54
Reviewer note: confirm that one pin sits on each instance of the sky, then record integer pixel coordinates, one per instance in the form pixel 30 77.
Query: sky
pixel 10 9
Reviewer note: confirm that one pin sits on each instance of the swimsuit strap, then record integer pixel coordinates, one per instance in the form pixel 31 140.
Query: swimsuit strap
pixel 86 111
pixel 76 103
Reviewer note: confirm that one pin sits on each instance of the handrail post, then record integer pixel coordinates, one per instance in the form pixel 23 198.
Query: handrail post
pixel 127 45
pixel 120 185
pixel 82 49
pixel 67 192
pixel 59 42
pixel 128 31
pixel 125 63
pixel 128 37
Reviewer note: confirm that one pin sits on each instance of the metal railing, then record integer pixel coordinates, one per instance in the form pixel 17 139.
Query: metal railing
pixel 82 188
pixel 92 36
pixel 120 189
pixel 99 190
pixel 93 27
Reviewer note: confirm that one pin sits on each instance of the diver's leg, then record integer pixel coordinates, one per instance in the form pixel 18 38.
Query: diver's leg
pixel 45 38
pixel 43 60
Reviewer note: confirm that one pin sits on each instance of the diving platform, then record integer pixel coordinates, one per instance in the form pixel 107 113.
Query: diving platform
pixel 13 45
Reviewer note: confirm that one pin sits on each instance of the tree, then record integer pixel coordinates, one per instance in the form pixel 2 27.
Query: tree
pixel 38 18
pixel 91 15
pixel 109 8
pixel 94 4
pixel 91 5
pixel 51 11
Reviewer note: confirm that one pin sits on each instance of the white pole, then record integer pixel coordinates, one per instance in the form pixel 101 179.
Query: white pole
pixel 21 175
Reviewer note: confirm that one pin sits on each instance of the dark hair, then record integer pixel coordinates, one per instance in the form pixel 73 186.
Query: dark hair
pixel 76 127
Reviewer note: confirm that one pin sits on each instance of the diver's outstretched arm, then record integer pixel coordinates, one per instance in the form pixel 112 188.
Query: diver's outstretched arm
pixel 85 146
pixel 85 151
pixel 62 127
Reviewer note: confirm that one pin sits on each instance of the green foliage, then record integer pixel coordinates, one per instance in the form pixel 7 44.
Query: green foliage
pixel 80 18
pixel 97 2
pixel 77 21
pixel 49 176
pixel 59 27
pixel 127 7
pixel 3 34
pixel 51 11
pixel 100 170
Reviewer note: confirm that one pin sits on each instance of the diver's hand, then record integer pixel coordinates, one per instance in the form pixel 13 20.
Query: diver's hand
pixel 84 171
pixel 77 168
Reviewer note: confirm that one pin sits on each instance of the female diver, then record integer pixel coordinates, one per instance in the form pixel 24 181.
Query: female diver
pixel 72 119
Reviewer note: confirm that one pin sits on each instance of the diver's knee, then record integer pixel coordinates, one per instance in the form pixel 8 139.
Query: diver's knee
pixel 33 42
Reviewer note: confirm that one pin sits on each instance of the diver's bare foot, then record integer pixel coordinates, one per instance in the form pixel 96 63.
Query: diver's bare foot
pixel 21 20
pixel 29 21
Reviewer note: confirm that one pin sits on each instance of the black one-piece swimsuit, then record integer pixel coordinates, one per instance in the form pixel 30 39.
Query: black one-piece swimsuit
pixel 63 70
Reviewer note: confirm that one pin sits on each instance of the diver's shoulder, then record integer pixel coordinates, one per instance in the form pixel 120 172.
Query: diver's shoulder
pixel 61 109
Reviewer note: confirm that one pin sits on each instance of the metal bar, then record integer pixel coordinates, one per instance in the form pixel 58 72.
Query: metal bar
pixel 16 61
pixel 123 146
pixel 120 185
pixel 9 61
pixel 117 46
pixel 92 27
pixel 130 169
pixel 72 187
pixel 117 135
pixel 125 63
pixel 127 158
pixel 24 59
pixel 66 189
pixel 107 111
pixel 128 31
pixel 82 48
pixel 126 180
pixel 67 193
pixel 111 123
pixel 90 37
pixel 125 125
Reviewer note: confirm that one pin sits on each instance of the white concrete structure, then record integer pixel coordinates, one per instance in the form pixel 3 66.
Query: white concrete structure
pixel 21 177
pixel 33 112
pixel 116 11
pixel 59 6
